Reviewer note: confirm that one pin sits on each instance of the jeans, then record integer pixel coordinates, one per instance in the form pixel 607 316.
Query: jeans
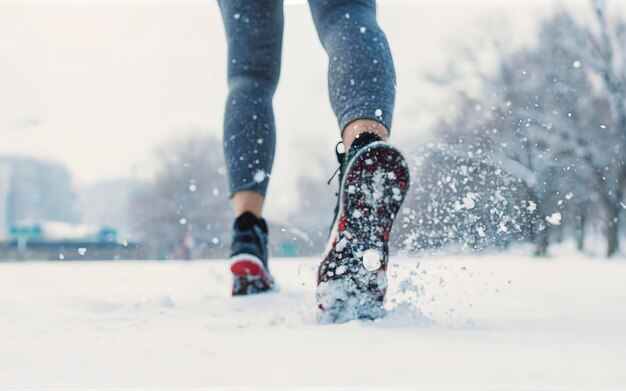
pixel 361 77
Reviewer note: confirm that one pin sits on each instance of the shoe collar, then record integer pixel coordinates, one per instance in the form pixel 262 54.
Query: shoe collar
pixel 248 220
pixel 343 157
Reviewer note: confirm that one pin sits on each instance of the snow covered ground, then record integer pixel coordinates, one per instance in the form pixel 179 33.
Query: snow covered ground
pixel 488 322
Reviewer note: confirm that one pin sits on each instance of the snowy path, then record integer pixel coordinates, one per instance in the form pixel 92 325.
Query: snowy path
pixel 496 322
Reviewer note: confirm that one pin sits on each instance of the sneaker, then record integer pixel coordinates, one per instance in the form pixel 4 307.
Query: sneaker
pixel 352 280
pixel 248 256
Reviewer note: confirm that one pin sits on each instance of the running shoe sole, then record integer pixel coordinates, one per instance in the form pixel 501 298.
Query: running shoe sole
pixel 249 275
pixel 352 279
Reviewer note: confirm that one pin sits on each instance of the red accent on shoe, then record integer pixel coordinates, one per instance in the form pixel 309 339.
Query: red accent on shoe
pixel 342 227
pixel 250 268
pixel 246 268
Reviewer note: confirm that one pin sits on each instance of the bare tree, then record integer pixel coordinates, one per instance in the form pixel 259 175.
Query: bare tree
pixel 553 117
pixel 185 213
pixel 601 55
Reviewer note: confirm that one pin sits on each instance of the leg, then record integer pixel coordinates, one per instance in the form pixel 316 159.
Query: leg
pixel 373 175
pixel 254 31
pixel 361 76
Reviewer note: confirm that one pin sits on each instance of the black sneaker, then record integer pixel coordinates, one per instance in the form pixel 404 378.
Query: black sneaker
pixel 352 280
pixel 248 256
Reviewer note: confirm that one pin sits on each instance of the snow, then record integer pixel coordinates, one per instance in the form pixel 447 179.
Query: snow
pixel 341 245
pixel 490 322
pixel 554 218
pixel 259 176
pixel 341 269
pixel 371 260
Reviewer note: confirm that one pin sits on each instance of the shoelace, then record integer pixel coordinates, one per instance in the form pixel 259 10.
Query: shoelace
pixel 340 160
pixel 340 156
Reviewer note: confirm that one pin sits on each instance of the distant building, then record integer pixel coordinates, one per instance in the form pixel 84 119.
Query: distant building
pixel 39 219
pixel 109 204
pixel 4 199
pixel 34 190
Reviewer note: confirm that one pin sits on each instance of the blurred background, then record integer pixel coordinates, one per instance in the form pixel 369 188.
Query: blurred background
pixel 513 115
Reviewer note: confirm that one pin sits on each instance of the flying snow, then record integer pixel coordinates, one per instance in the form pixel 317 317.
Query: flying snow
pixel 554 218
pixel 259 176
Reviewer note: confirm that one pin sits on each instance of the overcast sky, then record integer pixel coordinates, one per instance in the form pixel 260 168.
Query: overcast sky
pixel 98 85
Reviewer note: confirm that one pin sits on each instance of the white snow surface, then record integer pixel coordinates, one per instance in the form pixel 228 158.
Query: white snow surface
pixel 506 322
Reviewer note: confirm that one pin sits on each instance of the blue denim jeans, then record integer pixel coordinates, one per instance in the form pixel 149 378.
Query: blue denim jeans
pixel 361 77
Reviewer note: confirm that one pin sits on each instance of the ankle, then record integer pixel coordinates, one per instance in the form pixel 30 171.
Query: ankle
pixel 248 201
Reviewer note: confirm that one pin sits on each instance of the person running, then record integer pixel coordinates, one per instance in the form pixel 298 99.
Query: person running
pixel 373 175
